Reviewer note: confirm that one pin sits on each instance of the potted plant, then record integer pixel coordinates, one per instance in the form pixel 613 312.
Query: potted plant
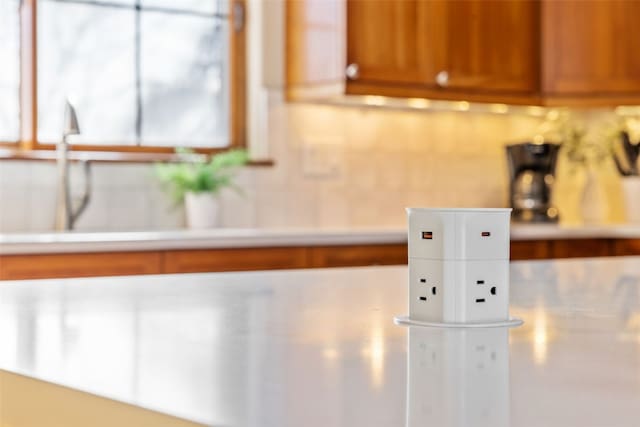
pixel 586 148
pixel 197 181
pixel 591 140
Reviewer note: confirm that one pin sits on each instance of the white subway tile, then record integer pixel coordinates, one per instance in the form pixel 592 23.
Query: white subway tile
pixel 44 175
pixel 271 209
pixel 14 174
pixel 15 205
pixel 129 210
pixel 43 209
pixel 96 215
pixel 237 210
pixel 333 207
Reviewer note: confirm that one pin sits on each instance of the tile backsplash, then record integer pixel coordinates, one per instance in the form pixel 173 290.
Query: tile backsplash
pixel 336 166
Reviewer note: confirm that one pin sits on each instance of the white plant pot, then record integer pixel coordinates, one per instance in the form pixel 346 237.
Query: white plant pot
pixel 202 210
pixel 631 191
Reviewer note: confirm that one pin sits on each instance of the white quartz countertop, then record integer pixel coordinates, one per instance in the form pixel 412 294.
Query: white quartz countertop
pixel 192 239
pixel 23 243
pixel 319 347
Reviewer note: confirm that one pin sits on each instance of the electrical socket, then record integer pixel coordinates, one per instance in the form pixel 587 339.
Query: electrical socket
pixel 429 301
pixel 465 291
pixel 459 265
pixel 458 377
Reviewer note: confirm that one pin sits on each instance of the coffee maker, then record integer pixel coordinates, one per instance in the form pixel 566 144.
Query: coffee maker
pixel 532 173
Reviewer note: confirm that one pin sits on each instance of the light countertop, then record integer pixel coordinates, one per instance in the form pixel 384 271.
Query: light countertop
pixel 192 239
pixel 319 347
pixel 22 243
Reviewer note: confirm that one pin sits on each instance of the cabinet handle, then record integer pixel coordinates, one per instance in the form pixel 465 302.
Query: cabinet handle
pixel 442 79
pixel 352 71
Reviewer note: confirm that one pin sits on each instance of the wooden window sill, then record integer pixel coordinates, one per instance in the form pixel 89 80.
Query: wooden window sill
pixel 104 156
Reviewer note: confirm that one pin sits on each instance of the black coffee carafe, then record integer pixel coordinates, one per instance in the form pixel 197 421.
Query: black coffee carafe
pixel 532 174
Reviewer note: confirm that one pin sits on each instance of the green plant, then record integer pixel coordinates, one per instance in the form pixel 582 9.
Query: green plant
pixel 586 139
pixel 590 138
pixel 199 173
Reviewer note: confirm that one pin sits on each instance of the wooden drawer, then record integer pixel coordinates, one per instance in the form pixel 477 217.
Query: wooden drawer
pixel 239 259
pixel 581 248
pixel 14 267
pixel 530 249
pixel 343 256
pixel 622 247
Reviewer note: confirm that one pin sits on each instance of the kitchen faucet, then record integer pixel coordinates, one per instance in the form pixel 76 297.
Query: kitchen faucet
pixel 66 216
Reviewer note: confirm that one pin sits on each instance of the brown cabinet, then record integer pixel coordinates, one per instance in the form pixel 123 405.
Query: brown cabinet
pixel 544 52
pixel 581 248
pixel 387 42
pixel 234 259
pixel 590 49
pixel 484 46
pixel 530 249
pixel 442 46
pixel 624 247
pixel 332 256
pixel 573 248
pixel 315 45
pixel 41 266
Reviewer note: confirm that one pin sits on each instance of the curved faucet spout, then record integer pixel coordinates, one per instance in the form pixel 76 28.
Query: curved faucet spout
pixel 86 195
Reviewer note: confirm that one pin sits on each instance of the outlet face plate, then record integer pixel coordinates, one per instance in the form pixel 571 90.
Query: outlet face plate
pixel 459 297
pixel 423 276
pixel 478 303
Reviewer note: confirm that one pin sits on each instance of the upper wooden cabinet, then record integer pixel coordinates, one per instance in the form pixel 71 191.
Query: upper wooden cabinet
pixel 591 49
pixel 484 45
pixel 387 42
pixel 546 52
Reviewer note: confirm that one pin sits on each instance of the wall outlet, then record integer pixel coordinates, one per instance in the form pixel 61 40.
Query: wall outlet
pixel 458 377
pixel 459 265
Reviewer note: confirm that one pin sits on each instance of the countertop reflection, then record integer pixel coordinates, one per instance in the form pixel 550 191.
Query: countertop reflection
pixel 319 347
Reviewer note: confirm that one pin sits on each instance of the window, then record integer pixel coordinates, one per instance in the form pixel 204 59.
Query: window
pixel 9 70
pixel 142 74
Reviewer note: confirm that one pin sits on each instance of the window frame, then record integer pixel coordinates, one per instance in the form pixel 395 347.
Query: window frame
pixel 29 87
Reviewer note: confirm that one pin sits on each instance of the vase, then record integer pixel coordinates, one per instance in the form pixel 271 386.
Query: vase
pixel 202 210
pixel 593 203
pixel 631 193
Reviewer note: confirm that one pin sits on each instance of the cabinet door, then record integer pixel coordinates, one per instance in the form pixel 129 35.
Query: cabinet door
pixel 44 266
pixel 315 45
pixel 386 41
pixel 591 47
pixel 484 45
